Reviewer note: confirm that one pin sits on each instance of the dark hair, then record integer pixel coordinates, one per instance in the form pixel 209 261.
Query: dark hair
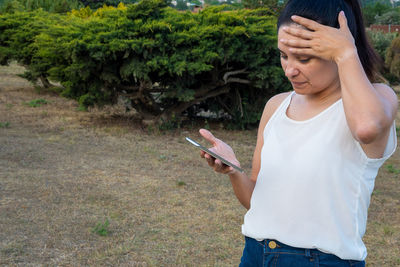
pixel 326 12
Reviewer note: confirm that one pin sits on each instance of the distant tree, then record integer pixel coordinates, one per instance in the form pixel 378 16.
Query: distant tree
pixel 372 11
pixel 275 5
pixel 56 6
pixel 181 5
pixel 211 2
pixel 11 6
pixel 94 4
pixel 390 17
pixel 365 3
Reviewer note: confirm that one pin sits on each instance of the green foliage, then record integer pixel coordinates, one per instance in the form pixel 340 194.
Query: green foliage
pixel 392 169
pixel 56 6
pixel 4 124
pixel 11 6
pixel 393 58
pixel 390 17
pixel 381 41
pixel 372 10
pixel 180 183
pixel 162 60
pixel 94 4
pixel 102 229
pixel 275 5
pixel 171 124
pixel 37 103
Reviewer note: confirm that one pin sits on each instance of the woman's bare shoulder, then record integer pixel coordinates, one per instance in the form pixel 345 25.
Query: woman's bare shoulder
pixel 271 106
pixel 274 102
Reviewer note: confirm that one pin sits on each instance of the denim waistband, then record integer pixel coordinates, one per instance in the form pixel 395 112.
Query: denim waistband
pixel 273 245
pixel 273 249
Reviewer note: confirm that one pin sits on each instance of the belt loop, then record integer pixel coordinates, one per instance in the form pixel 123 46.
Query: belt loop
pixel 308 253
pixel 265 245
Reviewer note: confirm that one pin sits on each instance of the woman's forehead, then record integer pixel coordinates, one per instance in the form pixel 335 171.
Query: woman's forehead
pixel 284 35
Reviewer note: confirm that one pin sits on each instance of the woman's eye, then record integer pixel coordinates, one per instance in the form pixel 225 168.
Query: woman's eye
pixel 304 60
pixel 283 56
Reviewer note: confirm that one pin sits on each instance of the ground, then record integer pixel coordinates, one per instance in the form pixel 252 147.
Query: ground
pixel 95 188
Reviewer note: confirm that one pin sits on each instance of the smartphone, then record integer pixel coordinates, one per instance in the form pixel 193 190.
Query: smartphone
pixel 214 154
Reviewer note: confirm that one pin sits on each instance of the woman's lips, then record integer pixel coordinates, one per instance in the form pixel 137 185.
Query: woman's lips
pixel 298 84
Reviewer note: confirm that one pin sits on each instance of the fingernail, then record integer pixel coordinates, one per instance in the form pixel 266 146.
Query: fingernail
pixel 294 16
pixel 282 40
pixel 285 28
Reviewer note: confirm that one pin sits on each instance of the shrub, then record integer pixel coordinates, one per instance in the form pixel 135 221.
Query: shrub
pixel 381 41
pixel 57 6
pixel 162 60
pixel 393 58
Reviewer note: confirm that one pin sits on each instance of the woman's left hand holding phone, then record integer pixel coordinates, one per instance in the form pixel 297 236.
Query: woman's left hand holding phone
pixel 222 149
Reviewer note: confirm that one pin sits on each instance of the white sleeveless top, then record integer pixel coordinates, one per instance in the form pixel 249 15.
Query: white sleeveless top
pixel 314 185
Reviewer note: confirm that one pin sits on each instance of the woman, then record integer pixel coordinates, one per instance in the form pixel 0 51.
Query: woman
pixel 319 147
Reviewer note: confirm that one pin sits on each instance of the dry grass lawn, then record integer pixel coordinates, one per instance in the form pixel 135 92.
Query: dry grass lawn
pixel 94 188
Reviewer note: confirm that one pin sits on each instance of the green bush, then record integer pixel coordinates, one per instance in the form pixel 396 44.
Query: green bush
pixel 161 60
pixel 56 6
pixel 381 41
pixel 393 58
pixel 94 4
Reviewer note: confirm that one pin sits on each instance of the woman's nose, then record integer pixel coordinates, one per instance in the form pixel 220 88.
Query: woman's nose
pixel 291 70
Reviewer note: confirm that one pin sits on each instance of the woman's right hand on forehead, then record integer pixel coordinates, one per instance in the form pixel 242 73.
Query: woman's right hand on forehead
pixel 220 148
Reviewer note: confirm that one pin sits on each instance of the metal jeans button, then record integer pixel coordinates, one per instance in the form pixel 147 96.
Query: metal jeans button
pixel 272 244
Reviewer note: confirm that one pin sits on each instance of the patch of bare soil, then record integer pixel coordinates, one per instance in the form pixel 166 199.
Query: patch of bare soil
pixel 95 188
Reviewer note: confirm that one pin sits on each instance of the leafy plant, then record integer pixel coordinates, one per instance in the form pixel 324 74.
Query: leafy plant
pixel 36 102
pixel 181 183
pixel 4 124
pixel 393 57
pixel 102 229
pixel 57 6
pixel 392 169
pixel 381 41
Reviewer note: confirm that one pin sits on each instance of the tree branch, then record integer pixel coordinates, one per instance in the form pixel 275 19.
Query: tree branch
pixel 237 80
pixel 230 73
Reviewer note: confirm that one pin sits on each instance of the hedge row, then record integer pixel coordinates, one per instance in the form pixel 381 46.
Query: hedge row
pixel 164 62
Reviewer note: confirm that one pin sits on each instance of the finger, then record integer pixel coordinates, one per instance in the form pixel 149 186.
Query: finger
pixel 296 43
pixel 342 20
pixel 302 51
pixel 218 165
pixel 208 136
pixel 210 161
pixel 298 32
pixel 202 153
pixel 308 23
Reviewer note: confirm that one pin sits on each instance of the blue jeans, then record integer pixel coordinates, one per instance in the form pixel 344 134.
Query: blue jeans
pixel 271 253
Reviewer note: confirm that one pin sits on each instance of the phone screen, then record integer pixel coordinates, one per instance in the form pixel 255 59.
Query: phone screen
pixel 214 154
